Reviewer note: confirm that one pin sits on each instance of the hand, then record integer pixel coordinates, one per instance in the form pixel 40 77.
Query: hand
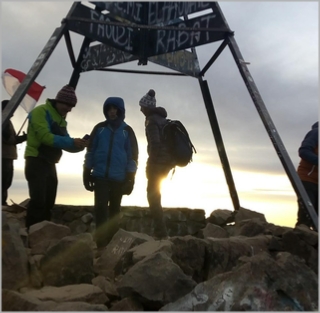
pixel 127 187
pixel 80 143
pixel 21 138
pixel 88 180
pixel 128 184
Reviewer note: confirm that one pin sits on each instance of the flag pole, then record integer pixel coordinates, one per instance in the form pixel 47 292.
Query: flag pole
pixel 22 125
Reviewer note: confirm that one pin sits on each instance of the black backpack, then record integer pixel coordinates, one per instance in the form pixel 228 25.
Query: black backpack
pixel 178 142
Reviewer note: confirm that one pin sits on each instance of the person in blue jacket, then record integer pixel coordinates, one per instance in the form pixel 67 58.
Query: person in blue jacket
pixel 309 173
pixel 110 166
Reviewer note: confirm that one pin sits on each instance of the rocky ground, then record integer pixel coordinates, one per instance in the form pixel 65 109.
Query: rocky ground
pixel 230 261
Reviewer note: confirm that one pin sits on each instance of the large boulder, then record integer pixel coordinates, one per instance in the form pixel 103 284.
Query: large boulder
pixel 44 235
pixel 14 256
pixel 258 283
pixel 111 261
pixel 155 281
pixel 70 261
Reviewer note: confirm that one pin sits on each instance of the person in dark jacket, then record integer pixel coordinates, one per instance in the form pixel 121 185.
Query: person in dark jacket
pixel 159 162
pixel 109 168
pixel 9 154
pixel 47 136
pixel 308 173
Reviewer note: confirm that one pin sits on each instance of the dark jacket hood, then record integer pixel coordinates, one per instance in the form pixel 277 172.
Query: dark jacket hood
pixel 160 111
pixel 118 103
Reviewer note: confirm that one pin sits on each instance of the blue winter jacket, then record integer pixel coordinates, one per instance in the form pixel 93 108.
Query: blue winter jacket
pixel 308 152
pixel 113 147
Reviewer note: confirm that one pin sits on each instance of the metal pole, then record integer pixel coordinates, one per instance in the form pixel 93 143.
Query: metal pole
pixel 272 132
pixel 37 66
pixel 219 142
pixel 41 60
pixel 77 70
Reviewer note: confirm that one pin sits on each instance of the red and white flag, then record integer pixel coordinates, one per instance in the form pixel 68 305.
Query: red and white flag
pixel 12 79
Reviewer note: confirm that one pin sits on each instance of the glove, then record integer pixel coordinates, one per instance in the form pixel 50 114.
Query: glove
pixel 128 184
pixel 88 180
pixel 21 138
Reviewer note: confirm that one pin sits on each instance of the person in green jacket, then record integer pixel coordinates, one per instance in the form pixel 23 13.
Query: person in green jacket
pixel 47 136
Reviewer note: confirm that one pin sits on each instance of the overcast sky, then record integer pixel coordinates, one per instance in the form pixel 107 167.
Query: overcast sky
pixel 278 39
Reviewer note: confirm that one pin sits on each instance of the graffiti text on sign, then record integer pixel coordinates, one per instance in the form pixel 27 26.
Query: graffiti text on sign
pixel 174 39
pixel 182 61
pixel 163 12
pixel 121 36
pixel 118 250
pixel 100 56
pixel 158 12
pixel 126 239
pixel 130 8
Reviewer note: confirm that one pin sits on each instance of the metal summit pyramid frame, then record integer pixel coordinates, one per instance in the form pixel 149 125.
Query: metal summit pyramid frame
pixel 159 32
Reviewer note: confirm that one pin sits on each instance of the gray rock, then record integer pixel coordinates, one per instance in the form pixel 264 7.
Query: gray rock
pixel 260 283
pixel 127 305
pixel 15 301
pixel 87 218
pixel 155 281
pixel 74 293
pixel 106 286
pixel 294 242
pixel 260 266
pixel 150 247
pixel 245 214
pixel 78 227
pixel 110 261
pixel 221 217
pixel 189 254
pixel 44 235
pixel 214 231
pixel 14 257
pixel 70 306
pixel 70 261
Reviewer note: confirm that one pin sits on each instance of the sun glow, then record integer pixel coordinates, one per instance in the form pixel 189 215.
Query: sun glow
pixel 196 186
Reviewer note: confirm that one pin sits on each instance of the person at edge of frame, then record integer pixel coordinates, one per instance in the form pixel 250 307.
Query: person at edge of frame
pixel 308 173
pixel 9 154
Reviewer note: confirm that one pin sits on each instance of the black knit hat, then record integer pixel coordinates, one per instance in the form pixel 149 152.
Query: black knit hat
pixel 67 95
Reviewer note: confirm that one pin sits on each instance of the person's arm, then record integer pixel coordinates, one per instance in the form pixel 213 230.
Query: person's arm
pixel 132 150
pixel 308 146
pixel 91 148
pixel 40 121
pixel 153 135
pixel 88 180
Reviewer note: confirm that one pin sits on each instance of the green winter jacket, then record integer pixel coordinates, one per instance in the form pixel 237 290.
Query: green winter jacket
pixel 47 134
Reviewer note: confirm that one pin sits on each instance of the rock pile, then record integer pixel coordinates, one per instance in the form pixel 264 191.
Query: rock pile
pixel 231 261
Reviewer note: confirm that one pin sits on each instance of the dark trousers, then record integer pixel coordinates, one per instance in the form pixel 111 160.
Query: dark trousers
pixel 7 176
pixel 107 201
pixel 155 174
pixel 313 193
pixel 42 182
